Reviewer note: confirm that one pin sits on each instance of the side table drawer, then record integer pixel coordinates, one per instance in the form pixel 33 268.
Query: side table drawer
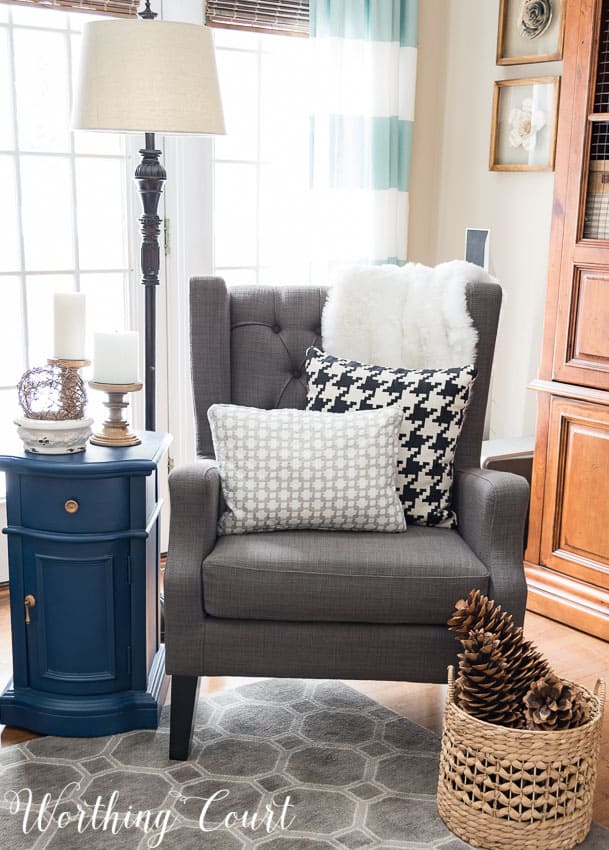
pixel 73 505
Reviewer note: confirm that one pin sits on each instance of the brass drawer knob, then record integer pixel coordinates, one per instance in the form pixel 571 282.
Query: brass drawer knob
pixel 71 506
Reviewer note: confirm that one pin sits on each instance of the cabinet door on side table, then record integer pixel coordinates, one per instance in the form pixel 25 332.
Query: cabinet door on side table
pixel 78 638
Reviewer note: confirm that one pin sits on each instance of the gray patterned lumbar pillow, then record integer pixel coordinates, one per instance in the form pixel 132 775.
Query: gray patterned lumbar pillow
pixel 434 404
pixel 301 469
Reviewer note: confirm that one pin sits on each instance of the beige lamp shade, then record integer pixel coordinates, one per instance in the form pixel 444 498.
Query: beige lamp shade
pixel 148 76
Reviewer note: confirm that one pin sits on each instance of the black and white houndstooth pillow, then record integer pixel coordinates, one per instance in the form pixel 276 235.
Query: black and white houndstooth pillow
pixel 434 404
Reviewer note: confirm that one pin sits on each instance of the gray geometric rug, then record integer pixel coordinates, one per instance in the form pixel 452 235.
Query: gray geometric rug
pixel 320 758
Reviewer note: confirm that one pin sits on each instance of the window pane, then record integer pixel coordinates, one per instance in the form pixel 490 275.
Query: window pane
pixel 102 235
pixel 11 347
pixel 235 38
pixel 262 215
pixel 285 109
pixel 238 75
pixel 90 142
pixel 284 215
pixel 9 441
pixel 40 290
pixel 238 277
pixel 79 19
pixel 106 308
pixel 41 72
pixel 48 18
pixel 287 274
pixel 235 214
pixel 47 213
pixel 7 138
pixel 9 222
pixel 48 175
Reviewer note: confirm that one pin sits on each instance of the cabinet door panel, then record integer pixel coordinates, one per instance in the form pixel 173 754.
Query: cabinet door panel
pixel 575 532
pixel 78 638
pixel 591 343
pixel 582 344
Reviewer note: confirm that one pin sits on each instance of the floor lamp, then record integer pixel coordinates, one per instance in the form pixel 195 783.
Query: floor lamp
pixel 152 77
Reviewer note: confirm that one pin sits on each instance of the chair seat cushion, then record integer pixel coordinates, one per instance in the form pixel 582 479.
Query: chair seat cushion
pixel 341 576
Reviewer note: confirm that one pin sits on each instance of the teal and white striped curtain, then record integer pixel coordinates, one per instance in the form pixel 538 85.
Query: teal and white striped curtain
pixel 364 60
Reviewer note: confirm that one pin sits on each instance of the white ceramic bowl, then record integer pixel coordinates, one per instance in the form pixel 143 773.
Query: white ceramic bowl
pixel 54 436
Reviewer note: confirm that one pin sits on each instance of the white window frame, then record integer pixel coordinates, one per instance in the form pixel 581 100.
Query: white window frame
pixel 72 156
pixel 133 311
pixel 188 214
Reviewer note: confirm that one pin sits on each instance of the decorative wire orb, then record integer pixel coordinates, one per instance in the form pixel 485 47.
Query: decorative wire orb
pixel 52 392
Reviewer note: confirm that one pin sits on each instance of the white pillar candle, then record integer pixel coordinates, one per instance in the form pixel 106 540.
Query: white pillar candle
pixel 116 357
pixel 70 326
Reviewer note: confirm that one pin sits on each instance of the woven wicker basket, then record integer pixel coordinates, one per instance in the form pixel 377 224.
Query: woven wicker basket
pixel 513 789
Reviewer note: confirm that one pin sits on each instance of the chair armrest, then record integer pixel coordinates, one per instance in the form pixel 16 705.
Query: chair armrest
pixel 195 505
pixel 491 510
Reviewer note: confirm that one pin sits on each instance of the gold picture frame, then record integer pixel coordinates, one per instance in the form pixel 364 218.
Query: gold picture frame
pixel 523 132
pixel 530 31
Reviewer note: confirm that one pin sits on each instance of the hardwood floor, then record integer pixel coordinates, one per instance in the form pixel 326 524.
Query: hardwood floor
pixel 573 655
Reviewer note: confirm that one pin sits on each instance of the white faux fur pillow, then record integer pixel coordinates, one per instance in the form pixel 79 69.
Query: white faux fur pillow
pixel 291 468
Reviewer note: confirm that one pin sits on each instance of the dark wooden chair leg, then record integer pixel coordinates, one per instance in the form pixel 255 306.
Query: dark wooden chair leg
pixel 184 695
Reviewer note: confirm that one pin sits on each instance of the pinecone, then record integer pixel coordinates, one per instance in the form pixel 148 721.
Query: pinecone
pixel 482 688
pixel 475 612
pixel 527 666
pixel 552 703
pixel 524 664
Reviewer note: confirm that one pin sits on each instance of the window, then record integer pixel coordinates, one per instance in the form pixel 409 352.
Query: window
pixel 65 197
pixel 262 167
pixel 70 206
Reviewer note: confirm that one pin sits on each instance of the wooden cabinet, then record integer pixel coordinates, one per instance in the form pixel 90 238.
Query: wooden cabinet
pixel 567 557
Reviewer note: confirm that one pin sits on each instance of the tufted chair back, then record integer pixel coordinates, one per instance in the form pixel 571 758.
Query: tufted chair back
pixel 248 345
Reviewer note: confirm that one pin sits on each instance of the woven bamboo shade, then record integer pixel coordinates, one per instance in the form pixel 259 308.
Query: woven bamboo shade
pixel 282 17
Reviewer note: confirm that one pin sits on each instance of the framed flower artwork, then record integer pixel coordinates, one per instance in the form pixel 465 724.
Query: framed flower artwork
pixel 530 31
pixel 523 135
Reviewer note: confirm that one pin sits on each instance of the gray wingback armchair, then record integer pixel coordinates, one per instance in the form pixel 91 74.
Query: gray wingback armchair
pixel 320 604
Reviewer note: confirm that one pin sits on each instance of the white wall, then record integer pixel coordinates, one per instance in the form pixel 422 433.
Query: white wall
pixel 452 188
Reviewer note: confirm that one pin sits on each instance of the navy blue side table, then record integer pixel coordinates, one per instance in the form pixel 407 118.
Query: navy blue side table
pixel 83 540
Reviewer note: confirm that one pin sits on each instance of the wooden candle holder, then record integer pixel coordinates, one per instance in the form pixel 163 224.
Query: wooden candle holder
pixel 115 429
